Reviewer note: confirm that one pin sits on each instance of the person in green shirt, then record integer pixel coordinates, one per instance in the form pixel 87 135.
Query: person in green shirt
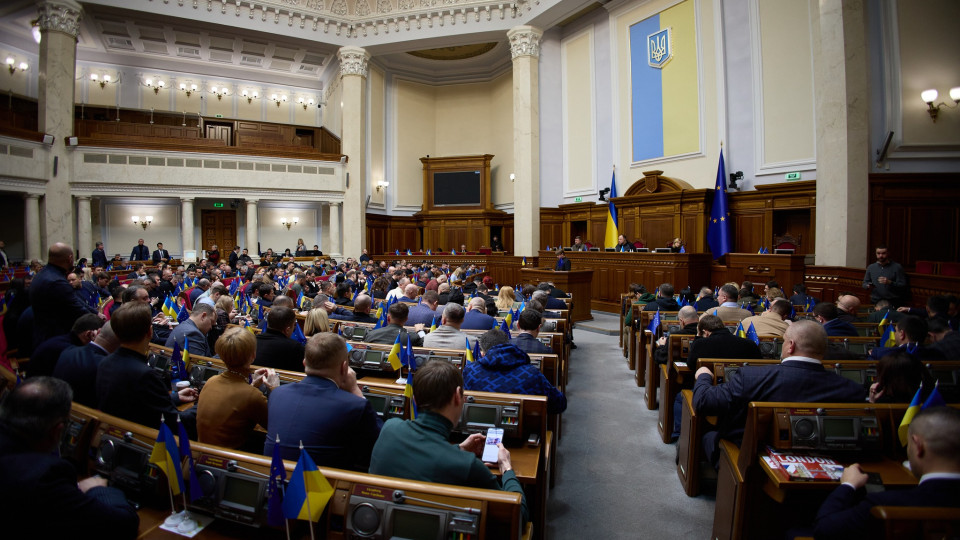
pixel 641 297
pixel 420 449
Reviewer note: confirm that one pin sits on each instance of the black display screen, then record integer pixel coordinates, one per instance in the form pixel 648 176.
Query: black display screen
pixel 839 428
pixel 240 492
pixel 415 525
pixel 377 402
pixel 460 188
pixel 130 459
pixel 478 414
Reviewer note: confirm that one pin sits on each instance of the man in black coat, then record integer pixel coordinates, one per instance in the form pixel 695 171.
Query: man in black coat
pixel 360 313
pixel 688 319
pixel 78 365
pixel 563 263
pixel 99 257
pixel 39 489
pixel 664 301
pixel 396 317
pixel 140 252
pixel 55 304
pixel 716 341
pixel 275 348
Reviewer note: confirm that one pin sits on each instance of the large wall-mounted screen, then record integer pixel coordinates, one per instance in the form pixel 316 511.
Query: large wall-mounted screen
pixel 457 188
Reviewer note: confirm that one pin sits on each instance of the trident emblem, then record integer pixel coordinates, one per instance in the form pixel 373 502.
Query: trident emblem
pixel 659 48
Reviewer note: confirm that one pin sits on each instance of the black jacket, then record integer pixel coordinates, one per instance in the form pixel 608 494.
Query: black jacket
pixel 127 387
pixel 275 350
pixel 722 344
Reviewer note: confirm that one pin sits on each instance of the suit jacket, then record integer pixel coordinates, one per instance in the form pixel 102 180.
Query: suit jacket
pixel 563 265
pixel 706 303
pixel 338 428
pixel 127 387
pixel 474 320
pixel 581 247
pixel 98 258
pixel 767 322
pixel 196 340
pixel 839 327
pixel 555 303
pixel 660 353
pixel 194 294
pixel 40 491
pixel 448 337
pixel 78 366
pixel 275 350
pixel 949 345
pixel 663 304
pixel 341 314
pixel 728 313
pixel 44 358
pixel 55 305
pixel 140 253
pixel 846 512
pixel 422 313
pixel 159 255
pixel 388 335
pixel 529 344
pixel 722 344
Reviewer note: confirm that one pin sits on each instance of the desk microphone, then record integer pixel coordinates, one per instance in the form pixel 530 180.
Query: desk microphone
pixel 400 497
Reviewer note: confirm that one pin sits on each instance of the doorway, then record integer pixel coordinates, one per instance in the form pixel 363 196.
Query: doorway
pixel 218 227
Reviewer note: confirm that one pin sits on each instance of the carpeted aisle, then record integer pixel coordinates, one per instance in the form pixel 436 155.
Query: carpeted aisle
pixel 615 478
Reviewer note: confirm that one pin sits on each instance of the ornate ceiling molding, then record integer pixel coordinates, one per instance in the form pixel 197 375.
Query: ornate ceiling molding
pixel 353 61
pixel 61 17
pixel 524 41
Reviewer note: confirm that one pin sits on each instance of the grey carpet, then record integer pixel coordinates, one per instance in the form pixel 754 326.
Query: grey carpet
pixel 615 478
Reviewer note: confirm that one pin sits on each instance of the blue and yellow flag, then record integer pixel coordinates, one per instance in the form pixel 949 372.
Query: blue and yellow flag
pixel 883 322
pixel 508 319
pixel 740 331
pixel 167 458
pixel 889 338
pixel 394 356
pixel 612 235
pixel 752 334
pixel 433 324
pixel 523 261
pixel 718 229
pixel 912 411
pixel 185 358
pixel 505 328
pixel 308 492
pixel 411 363
pixel 467 352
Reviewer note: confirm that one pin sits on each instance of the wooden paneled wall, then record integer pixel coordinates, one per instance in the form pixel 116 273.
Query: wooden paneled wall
pixel 830 282
pixel 916 215
pixel 438 231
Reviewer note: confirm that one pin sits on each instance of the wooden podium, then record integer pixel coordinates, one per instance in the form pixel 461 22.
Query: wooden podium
pixel 575 282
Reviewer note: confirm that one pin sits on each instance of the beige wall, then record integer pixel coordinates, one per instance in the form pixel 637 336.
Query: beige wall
pixel 463 119
pixel 579 143
pixel 332 111
pixel 275 235
pixel 122 235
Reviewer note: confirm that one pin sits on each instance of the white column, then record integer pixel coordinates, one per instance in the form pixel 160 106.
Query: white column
pixel 31 225
pixel 335 242
pixel 59 23
pixel 353 89
pixel 253 228
pixel 84 227
pixel 186 225
pixel 525 50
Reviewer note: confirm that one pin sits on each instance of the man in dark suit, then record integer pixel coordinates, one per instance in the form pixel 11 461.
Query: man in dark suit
pixel 40 490
pixel 425 312
pixel 140 252
pixel 496 244
pixel 234 257
pixel 191 334
pixel 799 377
pixel 563 263
pixel 275 348
pixel 396 317
pixel 44 359
pixel 55 305
pixel 716 341
pixel 129 388
pixel 828 315
pixel 360 313
pixel 99 256
pixel 78 365
pixel 529 329
pixel 933 448
pixel 476 317
pixel 160 255
pixel 664 301
pixel 687 316
pixel 945 339
pixel 326 411
pixel 911 332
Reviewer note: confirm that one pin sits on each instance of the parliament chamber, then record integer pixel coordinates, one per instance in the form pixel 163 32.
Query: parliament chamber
pixel 582 147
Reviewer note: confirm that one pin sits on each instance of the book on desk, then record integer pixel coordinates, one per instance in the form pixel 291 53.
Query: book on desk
pixel 803 467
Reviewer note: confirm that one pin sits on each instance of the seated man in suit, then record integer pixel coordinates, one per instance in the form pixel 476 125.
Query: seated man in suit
pixel 410 292
pixel 528 326
pixel 828 315
pixel 549 302
pixel 716 341
pixel 687 317
pixel 944 339
pixel 773 321
pixel 127 387
pixel 420 449
pixel 578 244
pixel 275 348
pixel 78 365
pixel 728 310
pixel 800 296
pixel 799 377
pixel 910 333
pixel 44 359
pixel 448 334
pixel 705 300
pixel 506 369
pixel 476 317
pixel 396 317
pixel 563 263
pixel 847 306
pixel 933 448
pixel 664 301
pixel 425 312
pixel 191 334
pixel 38 490
pixel 326 411
pixel 884 309
pixel 360 313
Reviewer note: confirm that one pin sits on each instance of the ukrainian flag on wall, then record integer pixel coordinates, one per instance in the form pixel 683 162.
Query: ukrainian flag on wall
pixel 665 85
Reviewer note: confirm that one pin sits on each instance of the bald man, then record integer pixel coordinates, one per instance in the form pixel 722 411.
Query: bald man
pixel 55 305
pixel 476 317
pixel 800 376
pixel 847 305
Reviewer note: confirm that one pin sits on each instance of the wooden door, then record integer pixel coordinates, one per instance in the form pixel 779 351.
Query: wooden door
pixel 218 227
pixel 220 131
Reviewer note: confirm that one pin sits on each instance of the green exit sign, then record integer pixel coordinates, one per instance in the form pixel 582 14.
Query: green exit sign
pixel 578 199
pixel 218 205
pixel 219 115
pixel 792 176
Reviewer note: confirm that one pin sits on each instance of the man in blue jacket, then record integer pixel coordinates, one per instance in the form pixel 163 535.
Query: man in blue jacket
pixel 55 304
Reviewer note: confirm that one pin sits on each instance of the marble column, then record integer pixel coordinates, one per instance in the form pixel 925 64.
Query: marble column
pixel 840 87
pixel 336 247
pixel 84 227
pixel 189 243
pixel 525 50
pixel 59 23
pixel 31 225
pixel 353 89
pixel 253 228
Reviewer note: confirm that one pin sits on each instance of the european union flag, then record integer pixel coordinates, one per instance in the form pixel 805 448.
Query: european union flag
pixel 195 491
pixel 167 458
pixel 718 231
pixel 308 492
pixel 278 474
pixel 752 334
pixel 683 249
pixel 934 399
pixel 655 323
pixel 298 334
pixel 175 360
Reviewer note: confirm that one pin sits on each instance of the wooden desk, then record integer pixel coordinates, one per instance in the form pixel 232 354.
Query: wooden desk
pixel 577 282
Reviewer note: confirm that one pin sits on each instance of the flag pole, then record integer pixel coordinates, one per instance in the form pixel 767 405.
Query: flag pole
pixel 307 493
pixel 174 518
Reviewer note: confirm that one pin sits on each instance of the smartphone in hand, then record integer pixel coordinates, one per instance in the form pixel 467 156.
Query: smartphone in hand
pixel 490 449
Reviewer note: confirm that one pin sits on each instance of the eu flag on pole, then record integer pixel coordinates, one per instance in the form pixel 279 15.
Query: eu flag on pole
pixel 655 323
pixel 195 491
pixel 752 334
pixel 610 239
pixel 167 458
pixel 298 335
pixel 274 492
pixel 308 492
pixel 718 231
pixel 505 329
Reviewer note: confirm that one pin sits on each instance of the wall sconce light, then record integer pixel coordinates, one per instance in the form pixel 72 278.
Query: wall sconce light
pixel 305 103
pixel 144 223
pixel 188 89
pixel 219 92
pixel 382 185
pixel 929 96
pixel 249 95
pixel 12 65
pixel 288 223
pixel 513 177
pixel 278 99
pixel 156 87
pixel 101 80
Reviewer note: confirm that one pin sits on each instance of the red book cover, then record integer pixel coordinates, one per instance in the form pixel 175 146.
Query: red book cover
pixel 809 467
